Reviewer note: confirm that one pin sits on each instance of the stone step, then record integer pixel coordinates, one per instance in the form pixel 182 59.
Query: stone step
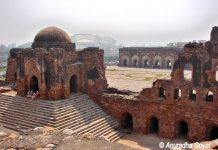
pixel 14 124
pixel 112 134
pixel 44 103
pixel 78 123
pixel 31 108
pixel 85 111
pixel 26 118
pixel 21 111
pixel 29 103
pixel 78 102
pixel 74 108
pixel 26 122
pixel 78 113
pixel 12 127
pixel 115 137
pixel 62 123
pixel 25 100
pixel 105 130
pixel 97 127
pixel 85 126
pixel 90 126
pixel 76 105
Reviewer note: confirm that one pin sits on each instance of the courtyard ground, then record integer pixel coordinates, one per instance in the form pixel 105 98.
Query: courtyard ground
pixel 146 142
pixel 134 79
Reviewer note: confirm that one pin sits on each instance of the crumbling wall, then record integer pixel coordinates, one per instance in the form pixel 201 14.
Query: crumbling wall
pixel 177 102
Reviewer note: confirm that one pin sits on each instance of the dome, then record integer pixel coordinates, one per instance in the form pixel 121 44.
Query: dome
pixel 52 35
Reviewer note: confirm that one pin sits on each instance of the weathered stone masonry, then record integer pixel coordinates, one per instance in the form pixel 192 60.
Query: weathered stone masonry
pixel 148 57
pixel 171 108
pixel 176 107
pixel 53 67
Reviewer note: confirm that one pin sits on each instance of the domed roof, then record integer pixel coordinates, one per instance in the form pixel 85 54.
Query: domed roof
pixel 52 35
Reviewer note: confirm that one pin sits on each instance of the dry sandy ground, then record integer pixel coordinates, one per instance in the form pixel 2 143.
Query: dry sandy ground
pixel 42 139
pixel 146 142
pixel 134 79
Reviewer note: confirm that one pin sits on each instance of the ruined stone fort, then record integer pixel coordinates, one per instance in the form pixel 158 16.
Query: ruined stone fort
pixel 53 67
pixel 74 93
pixel 148 57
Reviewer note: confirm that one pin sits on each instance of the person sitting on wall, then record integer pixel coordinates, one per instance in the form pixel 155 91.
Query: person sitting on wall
pixel 29 95
pixel 34 96
pixel 37 94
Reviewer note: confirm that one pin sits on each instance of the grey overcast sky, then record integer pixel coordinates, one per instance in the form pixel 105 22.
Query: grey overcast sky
pixel 153 22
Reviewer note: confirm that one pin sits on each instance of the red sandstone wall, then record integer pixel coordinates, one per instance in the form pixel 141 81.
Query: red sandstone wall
pixel 11 69
pixel 199 119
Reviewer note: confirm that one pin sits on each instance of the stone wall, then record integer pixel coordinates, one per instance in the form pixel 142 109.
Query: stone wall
pixel 176 107
pixel 148 57
pixel 54 69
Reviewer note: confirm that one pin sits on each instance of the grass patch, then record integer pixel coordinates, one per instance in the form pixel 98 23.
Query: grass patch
pixel 111 69
pixel 129 75
pixel 2 78
pixel 160 75
pixel 148 78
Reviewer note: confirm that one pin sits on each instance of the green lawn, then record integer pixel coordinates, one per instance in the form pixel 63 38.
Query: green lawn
pixel 2 78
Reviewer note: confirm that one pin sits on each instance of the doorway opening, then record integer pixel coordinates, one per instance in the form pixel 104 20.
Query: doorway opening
pixel 34 85
pixel 73 84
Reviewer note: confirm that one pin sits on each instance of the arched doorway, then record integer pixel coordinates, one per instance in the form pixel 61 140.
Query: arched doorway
pixel 154 125
pixel 127 122
pixel 188 71
pixel 177 93
pixel 213 133
pixel 125 62
pixel 157 64
pixel 192 95
pixel 135 63
pixel 73 84
pixel 146 63
pixel 162 93
pixel 183 129
pixel 34 84
pixel 15 76
pixel 169 64
pixel 209 96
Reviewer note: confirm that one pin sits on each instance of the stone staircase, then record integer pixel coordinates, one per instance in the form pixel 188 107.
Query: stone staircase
pixel 78 113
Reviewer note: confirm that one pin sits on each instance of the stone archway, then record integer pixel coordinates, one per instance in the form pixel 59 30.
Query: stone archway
pixel 73 84
pixel 125 60
pixel 135 61
pixel 213 134
pixel 157 62
pixel 34 84
pixel 146 61
pixel 169 62
pixel 154 125
pixel 127 121
pixel 182 129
